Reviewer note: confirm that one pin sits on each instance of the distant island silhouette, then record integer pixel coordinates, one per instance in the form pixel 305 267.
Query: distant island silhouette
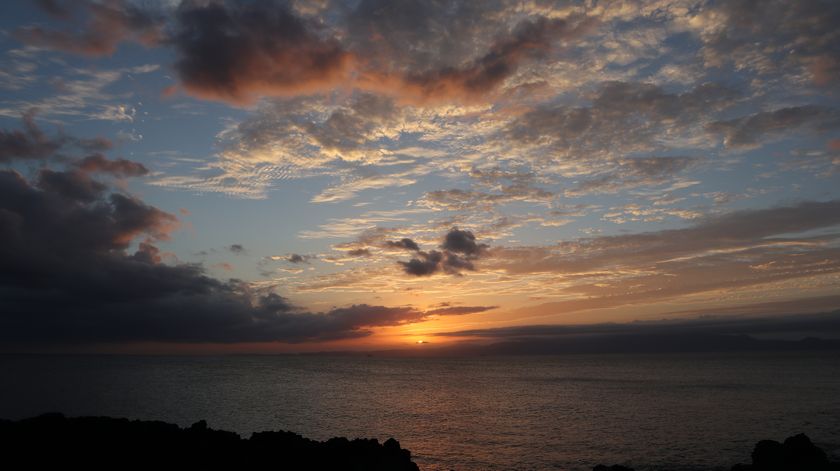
pixel 118 443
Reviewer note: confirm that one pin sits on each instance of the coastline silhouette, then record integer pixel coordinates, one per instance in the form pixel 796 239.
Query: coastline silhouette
pixel 796 453
pixel 106 442
pixel 116 443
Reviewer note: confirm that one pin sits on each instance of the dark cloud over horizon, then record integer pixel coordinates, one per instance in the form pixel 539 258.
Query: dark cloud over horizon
pixel 69 276
pixel 563 160
pixel 792 324
pixel 790 332
pixel 80 264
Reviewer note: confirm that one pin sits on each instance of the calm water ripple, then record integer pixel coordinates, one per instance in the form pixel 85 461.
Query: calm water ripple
pixel 509 413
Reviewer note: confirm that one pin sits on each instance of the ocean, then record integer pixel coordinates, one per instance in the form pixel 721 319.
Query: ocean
pixel 569 412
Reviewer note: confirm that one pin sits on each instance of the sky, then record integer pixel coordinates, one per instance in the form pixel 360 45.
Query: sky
pixel 275 176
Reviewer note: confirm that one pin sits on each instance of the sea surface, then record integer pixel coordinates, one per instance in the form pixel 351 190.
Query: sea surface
pixel 687 411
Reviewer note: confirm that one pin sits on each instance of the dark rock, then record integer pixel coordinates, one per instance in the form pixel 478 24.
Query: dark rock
pixel 768 454
pixel 800 453
pixel 54 441
pixel 795 454
pixel 615 467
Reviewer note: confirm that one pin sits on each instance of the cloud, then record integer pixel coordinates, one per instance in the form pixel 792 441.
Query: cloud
pixel 236 248
pixel 612 120
pixel 463 242
pixel 80 264
pixel 31 143
pixel 459 200
pixel 459 310
pixel 756 323
pixel 425 264
pixel 404 243
pixel 108 24
pixel 118 167
pixel 781 36
pixel 459 250
pixel 351 187
pixel 350 128
pixel 707 334
pixel 359 253
pixel 69 276
pixel 750 131
pixel 710 235
pixel 78 93
pixel 304 137
pixel 633 173
pixel 267 50
pixel 531 39
pixel 297 258
pixel 73 185
pixel 717 253
pixel 237 52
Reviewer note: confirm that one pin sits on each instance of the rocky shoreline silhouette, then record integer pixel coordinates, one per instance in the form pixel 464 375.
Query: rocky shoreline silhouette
pixel 59 442
pixel 796 453
pixel 117 443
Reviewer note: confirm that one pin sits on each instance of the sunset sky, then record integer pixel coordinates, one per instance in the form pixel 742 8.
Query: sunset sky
pixel 330 175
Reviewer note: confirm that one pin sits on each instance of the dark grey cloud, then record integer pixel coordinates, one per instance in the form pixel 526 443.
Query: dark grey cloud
pixel 752 129
pixel 240 51
pixel 707 334
pixel 74 185
pixel 459 250
pixel 236 248
pixel 106 25
pixel 531 39
pixel 614 112
pixel 236 52
pixel 622 118
pixel 28 143
pixel 403 243
pixel 775 36
pixel 621 99
pixel 79 263
pixel 69 276
pixel 634 172
pixel 459 310
pixel 116 167
pixel 298 258
pixel 32 143
pixel 56 8
pixel 425 264
pixel 463 242
pixel 828 323
pixel 417 35
pixel 421 51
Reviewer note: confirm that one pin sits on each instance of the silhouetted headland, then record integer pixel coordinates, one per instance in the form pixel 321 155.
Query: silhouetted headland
pixel 116 443
pixel 104 442
pixel 797 453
